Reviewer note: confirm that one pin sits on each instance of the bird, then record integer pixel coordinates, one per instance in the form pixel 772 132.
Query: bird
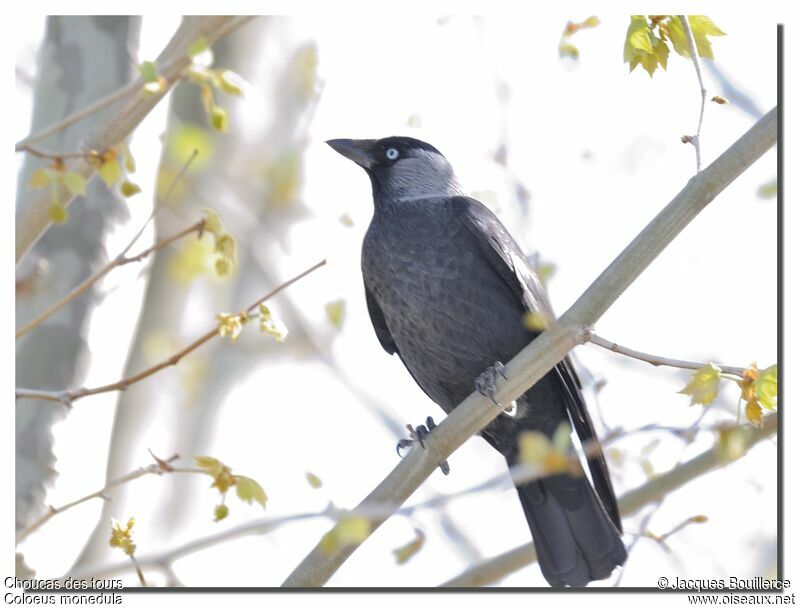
pixel 447 289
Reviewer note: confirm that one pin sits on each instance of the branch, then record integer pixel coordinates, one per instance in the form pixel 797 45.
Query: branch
pixel 67 397
pixel 33 218
pixel 695 139
pixel 158 467
pixel 660 360
pixel 484 573
pixel 118 261
pixel 165 559
pixel 552 345
pixel 43 154
pixel 494 569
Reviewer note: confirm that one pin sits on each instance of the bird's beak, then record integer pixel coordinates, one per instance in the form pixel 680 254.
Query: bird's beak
pixel 355 150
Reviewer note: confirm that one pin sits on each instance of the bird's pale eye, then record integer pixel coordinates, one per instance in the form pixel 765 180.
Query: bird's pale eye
pixel 392 154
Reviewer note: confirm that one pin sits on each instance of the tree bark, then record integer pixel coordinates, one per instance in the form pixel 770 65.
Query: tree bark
pixel 81 59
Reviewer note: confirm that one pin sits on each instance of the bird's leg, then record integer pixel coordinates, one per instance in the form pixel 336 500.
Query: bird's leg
pixel 486 382
pixel 417 435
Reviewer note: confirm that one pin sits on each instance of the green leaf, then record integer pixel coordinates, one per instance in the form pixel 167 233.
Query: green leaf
pixel 220 512
pixel 148 71
pixel 211 465
pixel 562 440
pixel 637 39
pixel 58 213
pixel 249 491
pixel 533 447
pixel 269 324
pixel 328 544
pixel 213 222
pixel 590 22
pixel 335 311
pixel 352 530
pixel 130 162
pixel 768 190
pixel 219 118
pixel 535 322
pixel 704 385
pixel 643 47
pixel 407 551
pixel 223 266
pixel 75 183
pixel 230 82
pixel 122 537
pixel 313 480
pixel 566 49
pixel 731 443
pixel 766 387
pixel 702 27
pixel 110 172
pixel 677 36
pixel 40 178
pixel 198 46
pixel 754 414
pixel 129 189
pixel 661 52
pixel 225 245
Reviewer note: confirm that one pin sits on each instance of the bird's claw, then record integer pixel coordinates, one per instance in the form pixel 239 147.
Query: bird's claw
pixel 486 382
pixel 417 435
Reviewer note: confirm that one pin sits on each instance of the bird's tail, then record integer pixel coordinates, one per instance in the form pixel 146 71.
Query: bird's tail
pixel 575 539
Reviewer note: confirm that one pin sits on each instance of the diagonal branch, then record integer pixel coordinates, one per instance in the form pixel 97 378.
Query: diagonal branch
pixel 67 397
pixel 119 261
pixel 158 467
pixel 33 218
pixel 552 345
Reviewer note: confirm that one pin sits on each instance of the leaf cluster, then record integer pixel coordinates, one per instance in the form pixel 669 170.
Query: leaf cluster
pixel 648 40
pixel 247 490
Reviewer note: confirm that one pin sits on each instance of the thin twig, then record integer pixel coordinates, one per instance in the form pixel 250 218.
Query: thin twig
pixel 158 467
pixel 138 569
pixel 660 360
pixel 695 139
pixel 67 397
pixel 104 102
pixel 161 202
pixel 121 259
pixel 43 154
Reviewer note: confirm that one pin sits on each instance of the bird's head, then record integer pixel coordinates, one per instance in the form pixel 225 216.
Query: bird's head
pixel 401 168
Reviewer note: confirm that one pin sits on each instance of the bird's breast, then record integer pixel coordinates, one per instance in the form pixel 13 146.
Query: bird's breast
pixel 448 311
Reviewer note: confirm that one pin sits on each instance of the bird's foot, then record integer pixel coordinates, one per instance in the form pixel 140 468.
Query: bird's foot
pixel 486 382
pixel 417 435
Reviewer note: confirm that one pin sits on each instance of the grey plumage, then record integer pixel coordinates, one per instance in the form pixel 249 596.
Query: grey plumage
pixel 446 289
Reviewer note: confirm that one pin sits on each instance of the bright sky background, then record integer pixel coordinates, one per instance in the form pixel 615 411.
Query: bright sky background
pixel 599 150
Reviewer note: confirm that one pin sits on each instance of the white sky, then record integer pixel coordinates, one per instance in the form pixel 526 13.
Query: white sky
pixel 599 150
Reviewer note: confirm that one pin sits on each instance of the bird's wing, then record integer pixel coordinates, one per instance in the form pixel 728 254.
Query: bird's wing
pixel 509 261
pixel 379 322
pixel 384 335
